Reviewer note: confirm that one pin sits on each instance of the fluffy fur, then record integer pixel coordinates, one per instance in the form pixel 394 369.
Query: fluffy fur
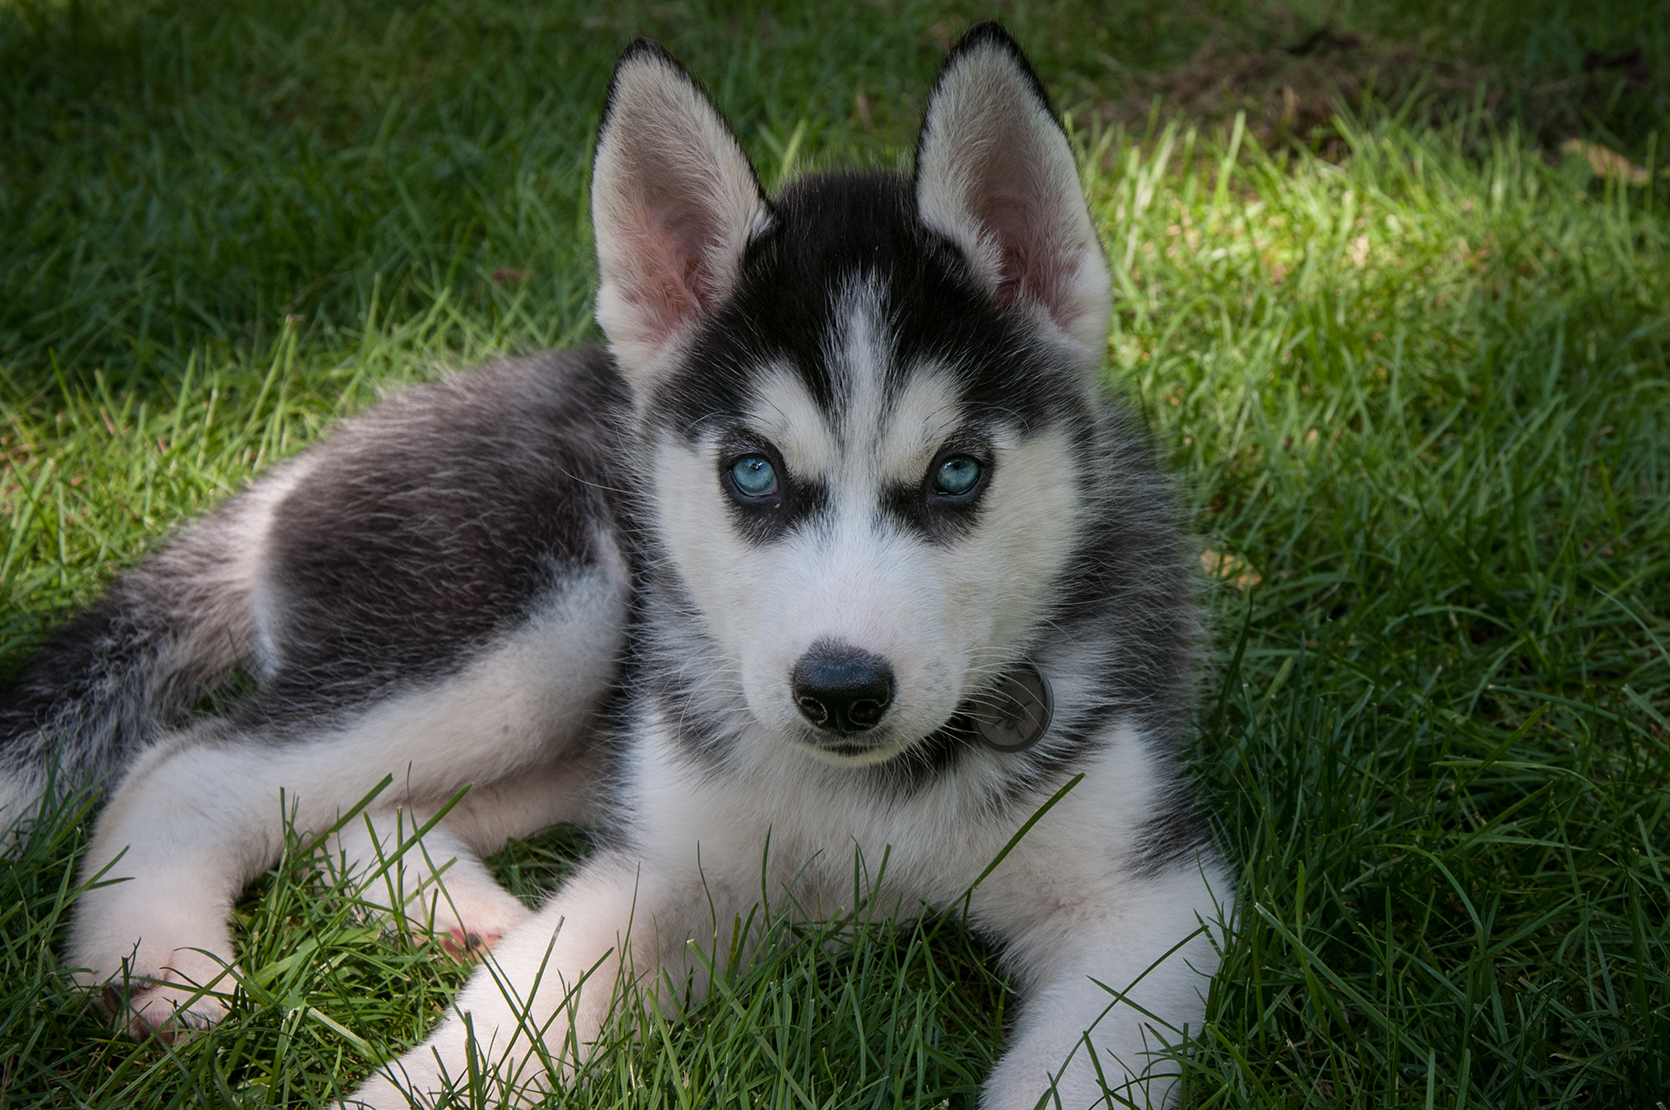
pixel 750 573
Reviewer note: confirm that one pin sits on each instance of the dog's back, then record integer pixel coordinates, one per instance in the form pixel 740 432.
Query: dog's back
pixel 379 561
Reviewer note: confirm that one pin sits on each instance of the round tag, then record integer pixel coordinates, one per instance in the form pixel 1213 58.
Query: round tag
pixel 1014 715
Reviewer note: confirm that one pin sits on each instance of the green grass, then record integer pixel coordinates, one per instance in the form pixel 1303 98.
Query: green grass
pixel 1410 361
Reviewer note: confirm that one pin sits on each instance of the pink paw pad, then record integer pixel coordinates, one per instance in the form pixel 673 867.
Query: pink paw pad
pixel 468 944
pixel 163 1011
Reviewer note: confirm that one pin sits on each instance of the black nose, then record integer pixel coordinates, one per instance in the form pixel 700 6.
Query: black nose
pixel 841 688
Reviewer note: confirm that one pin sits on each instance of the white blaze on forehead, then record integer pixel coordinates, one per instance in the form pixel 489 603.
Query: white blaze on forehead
pixel 888 436
pixel 860 353
pixel 876 436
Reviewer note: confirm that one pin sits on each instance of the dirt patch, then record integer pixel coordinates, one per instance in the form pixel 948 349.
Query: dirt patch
pixel 1293 92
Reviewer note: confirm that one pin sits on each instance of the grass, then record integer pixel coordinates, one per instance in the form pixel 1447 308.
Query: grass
pixel 1410 361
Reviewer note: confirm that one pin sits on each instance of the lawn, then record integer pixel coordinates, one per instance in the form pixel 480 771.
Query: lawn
pixel 1392 290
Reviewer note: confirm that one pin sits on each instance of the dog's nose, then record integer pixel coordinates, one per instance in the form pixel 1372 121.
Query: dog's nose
pixel 841 688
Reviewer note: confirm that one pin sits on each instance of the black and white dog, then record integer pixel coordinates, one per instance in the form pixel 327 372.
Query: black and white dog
pixel 837 545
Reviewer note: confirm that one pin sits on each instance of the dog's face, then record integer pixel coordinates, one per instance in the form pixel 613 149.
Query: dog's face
pixel 866 522
pixel 866 405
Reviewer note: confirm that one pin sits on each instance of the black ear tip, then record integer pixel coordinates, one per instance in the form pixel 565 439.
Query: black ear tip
pixel 987 33
pixel 639 51
pixel 640 47
pixel 990 35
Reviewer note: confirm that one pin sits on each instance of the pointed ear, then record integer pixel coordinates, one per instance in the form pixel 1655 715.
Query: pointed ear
pixel 673 203
pixel 994 174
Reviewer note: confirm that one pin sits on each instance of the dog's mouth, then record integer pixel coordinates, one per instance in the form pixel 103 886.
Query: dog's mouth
pixel 847 750
pixel 858 750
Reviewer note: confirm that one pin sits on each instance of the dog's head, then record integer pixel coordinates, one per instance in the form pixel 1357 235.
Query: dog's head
pixel 867 404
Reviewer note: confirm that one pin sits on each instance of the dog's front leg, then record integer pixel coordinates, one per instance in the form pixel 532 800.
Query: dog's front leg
pixel 532 1012
pixel 1104 1005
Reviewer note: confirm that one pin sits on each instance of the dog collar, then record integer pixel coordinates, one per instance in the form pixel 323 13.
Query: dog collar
pixel 1014 715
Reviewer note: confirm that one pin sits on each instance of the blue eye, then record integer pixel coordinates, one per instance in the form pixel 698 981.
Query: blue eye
pixel 957 475
pixel 754 476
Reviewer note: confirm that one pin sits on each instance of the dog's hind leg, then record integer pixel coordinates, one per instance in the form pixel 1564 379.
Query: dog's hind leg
pixel 200 815
pixel 178 841
pixel 189 829
pixel 437 880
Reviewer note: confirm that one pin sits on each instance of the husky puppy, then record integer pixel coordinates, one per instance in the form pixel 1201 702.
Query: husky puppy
pixel 837 545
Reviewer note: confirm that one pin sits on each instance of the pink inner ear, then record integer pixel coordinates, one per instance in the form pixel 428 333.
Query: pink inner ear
pixel 672 280
pixel 1032 267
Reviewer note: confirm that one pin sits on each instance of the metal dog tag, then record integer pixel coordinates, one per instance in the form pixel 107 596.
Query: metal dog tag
pixel 1014 714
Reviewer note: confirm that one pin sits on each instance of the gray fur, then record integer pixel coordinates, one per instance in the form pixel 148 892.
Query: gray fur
pixel 382 558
